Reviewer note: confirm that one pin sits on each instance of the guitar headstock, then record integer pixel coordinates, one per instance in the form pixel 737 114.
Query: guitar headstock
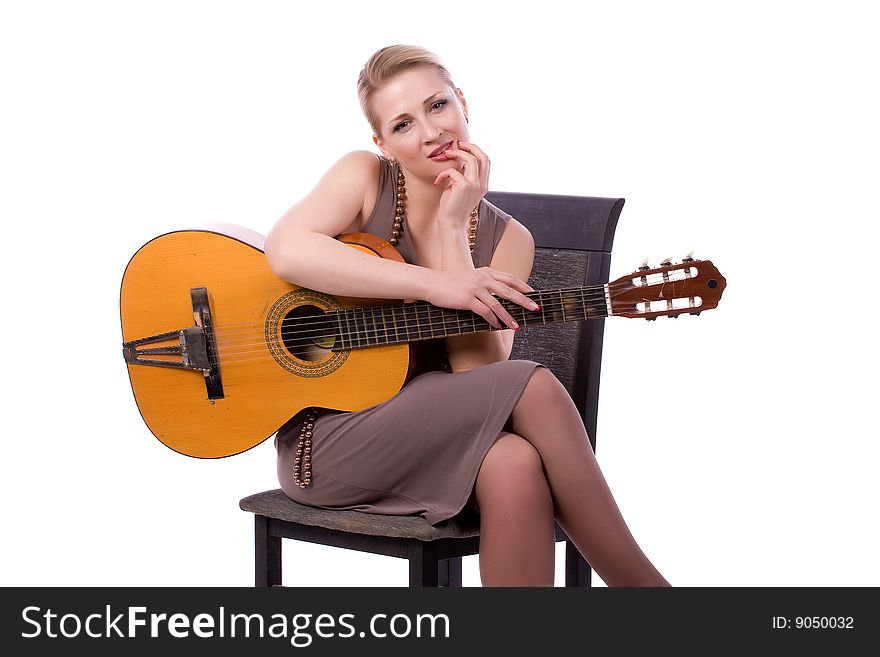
pixel 669 290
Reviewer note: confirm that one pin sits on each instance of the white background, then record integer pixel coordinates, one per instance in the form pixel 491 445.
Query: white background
pixel 741 445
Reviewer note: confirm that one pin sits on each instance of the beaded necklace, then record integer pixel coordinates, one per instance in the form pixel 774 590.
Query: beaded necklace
pixel 400 213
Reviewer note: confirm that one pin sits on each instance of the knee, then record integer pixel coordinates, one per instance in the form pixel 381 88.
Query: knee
pixel 543 383
pixel 544 394
pixel 512 466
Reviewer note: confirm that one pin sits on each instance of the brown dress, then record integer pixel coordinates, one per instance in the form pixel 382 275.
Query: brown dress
pixel 420 451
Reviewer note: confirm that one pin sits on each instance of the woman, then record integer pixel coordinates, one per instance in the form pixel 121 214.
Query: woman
pixel 473 429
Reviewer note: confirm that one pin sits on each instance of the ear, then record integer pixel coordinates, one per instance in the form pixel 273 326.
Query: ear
pixel 462 101
pixel 380 143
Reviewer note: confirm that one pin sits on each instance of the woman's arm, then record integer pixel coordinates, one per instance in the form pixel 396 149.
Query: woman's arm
pixel 515 255
pixel 301 248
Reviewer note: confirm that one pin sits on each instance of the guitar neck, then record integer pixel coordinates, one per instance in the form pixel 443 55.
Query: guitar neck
pixel 373 326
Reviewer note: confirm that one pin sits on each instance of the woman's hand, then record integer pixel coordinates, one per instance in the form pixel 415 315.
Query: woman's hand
pixel 473 289
pixel 466 185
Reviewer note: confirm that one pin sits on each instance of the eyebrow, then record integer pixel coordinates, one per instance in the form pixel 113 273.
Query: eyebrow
pixel 424 102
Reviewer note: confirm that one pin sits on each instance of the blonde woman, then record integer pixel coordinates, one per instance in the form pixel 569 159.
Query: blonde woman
pixel 471 429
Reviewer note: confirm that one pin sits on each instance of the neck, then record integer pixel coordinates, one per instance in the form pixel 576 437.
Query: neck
pixel 422 199
pixel 371 326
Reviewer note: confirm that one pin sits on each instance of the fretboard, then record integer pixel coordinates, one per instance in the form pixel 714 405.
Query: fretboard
pixel 374 326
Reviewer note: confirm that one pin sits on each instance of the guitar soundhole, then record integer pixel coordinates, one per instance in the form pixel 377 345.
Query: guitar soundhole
pixel 308 333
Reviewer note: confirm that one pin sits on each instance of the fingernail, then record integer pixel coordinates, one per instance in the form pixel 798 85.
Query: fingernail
pixel 537 307
pixel 515 326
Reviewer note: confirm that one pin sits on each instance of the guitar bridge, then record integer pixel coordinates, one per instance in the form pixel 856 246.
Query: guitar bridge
pixel 195 347
pixel 192 348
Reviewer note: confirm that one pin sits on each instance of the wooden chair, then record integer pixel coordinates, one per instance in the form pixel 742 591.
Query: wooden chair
pixel 573 238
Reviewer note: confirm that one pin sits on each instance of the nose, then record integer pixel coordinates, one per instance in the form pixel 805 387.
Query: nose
pixel 431 132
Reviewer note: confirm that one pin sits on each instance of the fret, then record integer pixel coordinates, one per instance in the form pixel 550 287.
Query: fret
pixel 358 322
pixel 339 330
pixel 365 328
pixel 375 330
pixel 428 319
pixel 351 335
pixel 466 321
pixel 394 310
pixel 418 322
pixel 384 324
pixel 584 302
pixel 541 302
pixel 400 329
pixel 409 312
pixel 562 305
pixel 444 330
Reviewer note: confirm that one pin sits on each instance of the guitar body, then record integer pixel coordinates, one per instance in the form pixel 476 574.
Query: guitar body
pixel 259 377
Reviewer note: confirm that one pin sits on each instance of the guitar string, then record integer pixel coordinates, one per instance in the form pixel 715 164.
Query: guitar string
pixel 435 318
pixel 393 303
pixel 591 295
pixel 231 350
pixel 597 290
pixel 227 355
pixel 241 342
pixel 235 352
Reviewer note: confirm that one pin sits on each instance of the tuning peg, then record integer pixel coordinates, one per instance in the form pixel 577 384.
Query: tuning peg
pixel 689 257
pixel 644 265
pixel 666 262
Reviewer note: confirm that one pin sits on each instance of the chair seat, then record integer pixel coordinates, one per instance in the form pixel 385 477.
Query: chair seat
pixel 275 504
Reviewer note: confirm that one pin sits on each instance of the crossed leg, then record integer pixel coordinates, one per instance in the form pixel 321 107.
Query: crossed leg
pixel 546 469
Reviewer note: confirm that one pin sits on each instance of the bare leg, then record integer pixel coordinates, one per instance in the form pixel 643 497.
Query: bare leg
pixel 585 507
pixel 516 516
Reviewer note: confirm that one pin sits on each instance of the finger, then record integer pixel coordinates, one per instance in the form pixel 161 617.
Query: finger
pixel 483 311
pixel 498 310
pixel 452 174
pixel 509 279
pixel 485 164
pixel 518 298
pixel 471 163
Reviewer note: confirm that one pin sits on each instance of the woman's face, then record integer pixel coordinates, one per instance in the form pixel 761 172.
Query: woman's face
pixel 419 114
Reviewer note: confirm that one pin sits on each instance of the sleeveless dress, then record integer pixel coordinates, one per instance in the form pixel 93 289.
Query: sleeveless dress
pixel 420 451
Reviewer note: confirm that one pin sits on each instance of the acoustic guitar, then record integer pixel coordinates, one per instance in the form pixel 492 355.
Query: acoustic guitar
pixel 221 352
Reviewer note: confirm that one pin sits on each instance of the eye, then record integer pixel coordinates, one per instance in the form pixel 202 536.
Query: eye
pixel 400 126
pixel 439 104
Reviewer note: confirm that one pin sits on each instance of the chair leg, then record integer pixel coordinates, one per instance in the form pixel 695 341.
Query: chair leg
pixel 449 574
pixel 267 554
pixel 424 566
pixel 577 570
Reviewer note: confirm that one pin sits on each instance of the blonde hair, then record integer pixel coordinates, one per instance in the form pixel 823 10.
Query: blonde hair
pixel 387 63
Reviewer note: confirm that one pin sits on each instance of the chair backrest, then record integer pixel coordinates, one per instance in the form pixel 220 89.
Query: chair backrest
pixel 573 237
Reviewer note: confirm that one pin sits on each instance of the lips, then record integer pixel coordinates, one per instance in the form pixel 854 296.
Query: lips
pixel 441 149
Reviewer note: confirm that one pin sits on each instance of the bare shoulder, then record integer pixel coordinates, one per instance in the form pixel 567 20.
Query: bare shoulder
pixel 361 164
pixel 515 252
pixel 336 203
pixel 517 236
pixel 355 175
